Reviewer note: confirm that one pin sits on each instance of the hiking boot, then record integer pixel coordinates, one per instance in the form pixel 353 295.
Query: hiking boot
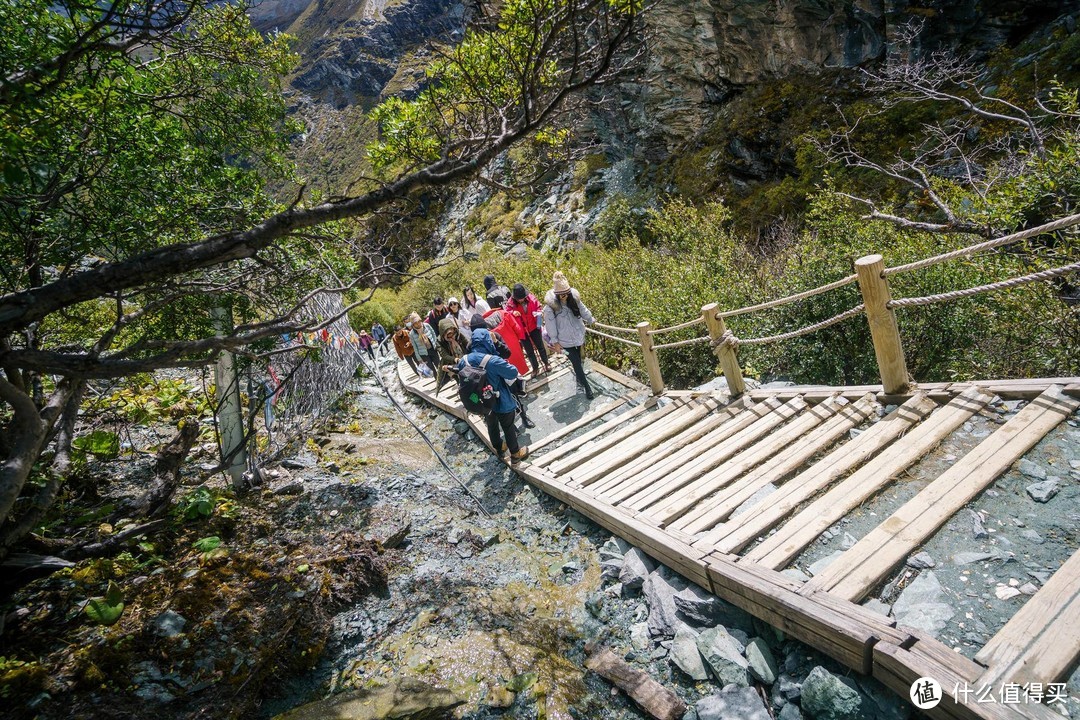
pixel 520 455
pixel 504 452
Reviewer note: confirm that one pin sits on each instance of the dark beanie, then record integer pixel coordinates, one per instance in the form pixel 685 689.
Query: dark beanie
pixel 489 282
pixel 520 292
pixel 477 322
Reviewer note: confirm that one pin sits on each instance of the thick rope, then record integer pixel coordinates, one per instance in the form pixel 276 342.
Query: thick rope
pixel 789 299
pixel 682 326
pixel 735 342
pixel 612 337
pixel 1003 285
pixel 615 328
pixel 727 340
pixel 680 343
pixel 988 245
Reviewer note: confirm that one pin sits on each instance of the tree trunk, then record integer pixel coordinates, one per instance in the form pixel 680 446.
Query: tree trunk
pixel 167 471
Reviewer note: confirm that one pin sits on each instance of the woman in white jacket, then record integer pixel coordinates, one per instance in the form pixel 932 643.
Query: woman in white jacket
pixel 565 318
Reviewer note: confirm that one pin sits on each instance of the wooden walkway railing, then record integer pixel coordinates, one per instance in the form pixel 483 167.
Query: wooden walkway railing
pixel 878 306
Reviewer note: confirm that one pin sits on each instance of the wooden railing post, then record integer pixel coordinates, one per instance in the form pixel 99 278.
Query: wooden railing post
pixel 729 361
pixel 887 345
pixel 652 363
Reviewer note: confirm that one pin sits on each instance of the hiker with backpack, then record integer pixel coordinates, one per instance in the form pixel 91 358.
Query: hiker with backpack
pixel 484 379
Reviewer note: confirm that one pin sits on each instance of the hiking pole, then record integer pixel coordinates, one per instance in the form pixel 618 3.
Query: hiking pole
pixel 442 461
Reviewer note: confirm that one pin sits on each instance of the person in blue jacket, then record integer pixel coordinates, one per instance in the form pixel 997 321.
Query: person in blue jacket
pixel 499 373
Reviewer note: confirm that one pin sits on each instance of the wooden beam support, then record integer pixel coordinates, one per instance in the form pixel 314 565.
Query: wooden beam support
pixel 883 329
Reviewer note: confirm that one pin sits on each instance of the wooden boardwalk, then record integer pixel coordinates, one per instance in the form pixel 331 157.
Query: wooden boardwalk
pixel 673 475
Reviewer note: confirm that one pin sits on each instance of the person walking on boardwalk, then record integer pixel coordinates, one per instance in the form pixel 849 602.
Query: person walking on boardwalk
pixel 451 349
pixel 494 291
pixel 500 373
pixel 423 340
pixel 365 344
pixel 471 305
pixel 404 349
pixel 510 329
pixel 378 333
pixel 526 308
pixel 565 318
pixel 460 318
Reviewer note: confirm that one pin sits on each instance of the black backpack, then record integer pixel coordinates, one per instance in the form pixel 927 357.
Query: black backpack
pixel 474 389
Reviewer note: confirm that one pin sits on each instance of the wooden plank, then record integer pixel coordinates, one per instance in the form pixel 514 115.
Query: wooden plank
pixel 578 424
pixel 1023 388
pixel 598 446
pixel 696 450
pixel 716 457
pixel 897 668
pixel 674 508
pixel 872 558
pixel 653 697
pixel 718 508
pixel 617 377
pixel 733 536
pixel 1040 642
pixel 587 473
pixel 777 550
pixel 772 597
pixel 571 445
pixel 673 445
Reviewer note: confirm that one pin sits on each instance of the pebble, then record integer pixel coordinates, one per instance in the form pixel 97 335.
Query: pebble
pixel 1029 588
pixel 1033 536
pixel 1043 492
pixel 1004 592
pixel 921 561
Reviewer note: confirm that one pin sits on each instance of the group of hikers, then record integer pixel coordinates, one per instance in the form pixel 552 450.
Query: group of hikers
pixel 489 337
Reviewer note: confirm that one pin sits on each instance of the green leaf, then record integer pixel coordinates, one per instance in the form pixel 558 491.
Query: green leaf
pixel 106 610
pixel 207 544
pixel 100 443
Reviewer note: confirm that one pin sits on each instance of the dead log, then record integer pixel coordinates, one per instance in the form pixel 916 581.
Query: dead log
pixel 155 502
pixel 650 695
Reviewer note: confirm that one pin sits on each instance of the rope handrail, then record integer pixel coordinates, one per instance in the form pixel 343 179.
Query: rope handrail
pixel 790 298
pixel 1002 285
pixel 730 339
pixel 612 337
pixel 681 326
pixel 615 328
pixel 988 245
pixel 680 343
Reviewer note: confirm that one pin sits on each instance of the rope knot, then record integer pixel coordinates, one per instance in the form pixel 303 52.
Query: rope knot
pixel 727 340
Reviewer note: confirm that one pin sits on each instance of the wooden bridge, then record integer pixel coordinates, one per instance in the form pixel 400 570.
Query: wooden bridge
pixel 677 474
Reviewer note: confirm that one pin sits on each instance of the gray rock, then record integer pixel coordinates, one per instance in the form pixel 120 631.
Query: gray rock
pixel 827 697
pixel 636 566
pixel 701 609
pixel 848 541
pixel 154 693
pixel 789 689
pixel 1043 491
pixel 921 561
pixel 743 703
pixel 168 624
pixel 966 558
pixel 755 499
pixel 724 656
pixel 1032 536
pixel 461 427
pixel 660 596
pixel 978 531
pixel 299 462
pixel 761 661
pixel 685 656
pixel 795 574
pixel 824 562
pixel 639 636
pixel 1026 467
pixel 790 712
pixel 877 606
pixel 922 605
pixel 614 548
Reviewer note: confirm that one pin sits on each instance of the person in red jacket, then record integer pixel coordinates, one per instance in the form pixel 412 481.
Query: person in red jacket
pixel 524 305
pixel 510 330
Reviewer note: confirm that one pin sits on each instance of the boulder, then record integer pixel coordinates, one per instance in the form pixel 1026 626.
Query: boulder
pixel 724 656
pixel 659 589
pixel 761 661
pixel 685 655
pixel 636 566
pixel 827 697
pixel 743 703
pixel 701 609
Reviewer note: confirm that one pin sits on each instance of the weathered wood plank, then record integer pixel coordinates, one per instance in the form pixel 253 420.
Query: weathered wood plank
pixel 712 442
pixel 653 697
pixel 571 445
pixel 715 457
pixel 673 445
pixel 719 507
pixel 669 511
pixel 587 473
pixel 777 550
pixel 872 558
pixel 1039 643
pixel 578 424
pixel 637 428
pixel 733 536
